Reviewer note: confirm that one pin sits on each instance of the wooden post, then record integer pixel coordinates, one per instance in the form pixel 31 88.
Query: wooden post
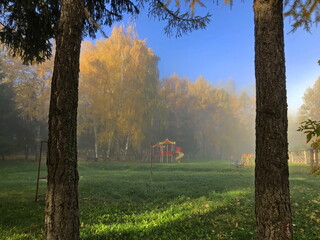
pixel 316 159
pixel 39 168
pixel 305 157
pixel 311 158
pixel 291 157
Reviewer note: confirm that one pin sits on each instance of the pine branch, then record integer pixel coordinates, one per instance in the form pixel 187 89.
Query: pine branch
pixel 95 24
pixel 180 23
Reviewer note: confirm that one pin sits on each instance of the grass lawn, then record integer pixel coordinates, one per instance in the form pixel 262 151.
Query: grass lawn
pixel 200 200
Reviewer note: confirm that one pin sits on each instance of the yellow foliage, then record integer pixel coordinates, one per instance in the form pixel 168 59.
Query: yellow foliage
pixel 118 81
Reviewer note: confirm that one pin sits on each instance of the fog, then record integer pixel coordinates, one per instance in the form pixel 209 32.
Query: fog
pixel 124 108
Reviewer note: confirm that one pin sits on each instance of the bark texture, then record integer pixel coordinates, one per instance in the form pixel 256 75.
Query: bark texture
pixel 62 210
pixel 272 204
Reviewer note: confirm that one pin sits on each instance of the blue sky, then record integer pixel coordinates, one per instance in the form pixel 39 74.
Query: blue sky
pixel 225 50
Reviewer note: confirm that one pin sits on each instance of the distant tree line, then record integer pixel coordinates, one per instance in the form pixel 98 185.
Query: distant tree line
pixel 25 94
pixel 124 107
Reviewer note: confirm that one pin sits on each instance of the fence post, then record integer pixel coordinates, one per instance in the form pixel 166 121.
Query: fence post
pixel 305 157
pixel 316 160
pixel 311 158
pixel 290 157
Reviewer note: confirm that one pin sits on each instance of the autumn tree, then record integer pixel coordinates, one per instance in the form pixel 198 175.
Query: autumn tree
pixel 204 119
pixel 176 114
pixel 310 109
pixel 309 114
pixel 295 138
pixel 240 123
pixel 209 106
pixel 118 91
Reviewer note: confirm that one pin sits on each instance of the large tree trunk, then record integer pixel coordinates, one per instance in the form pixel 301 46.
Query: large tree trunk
pixel 62 211
pixel 272 204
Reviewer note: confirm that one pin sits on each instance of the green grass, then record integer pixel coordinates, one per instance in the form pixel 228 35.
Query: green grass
pixel 200 200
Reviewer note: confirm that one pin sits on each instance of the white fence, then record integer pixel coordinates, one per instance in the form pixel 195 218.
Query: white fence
pixel 301 156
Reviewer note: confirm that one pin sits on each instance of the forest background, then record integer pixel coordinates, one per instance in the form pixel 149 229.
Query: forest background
pixel 124 107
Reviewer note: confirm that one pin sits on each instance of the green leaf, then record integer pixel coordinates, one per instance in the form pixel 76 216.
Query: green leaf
pixel 309 136
pixel 308 131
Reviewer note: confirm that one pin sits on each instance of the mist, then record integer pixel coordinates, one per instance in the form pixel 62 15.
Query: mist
pixel 123 111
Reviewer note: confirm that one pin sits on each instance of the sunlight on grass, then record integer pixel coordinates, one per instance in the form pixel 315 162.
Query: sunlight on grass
pixel 298 179
pixel 183 212
pixel 187 201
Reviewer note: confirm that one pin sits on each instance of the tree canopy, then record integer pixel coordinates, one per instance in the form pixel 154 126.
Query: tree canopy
pixel 310 109
pixel 27 27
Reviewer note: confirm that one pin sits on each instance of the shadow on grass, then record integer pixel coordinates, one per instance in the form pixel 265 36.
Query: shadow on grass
pixel 178 201
pixel 21 219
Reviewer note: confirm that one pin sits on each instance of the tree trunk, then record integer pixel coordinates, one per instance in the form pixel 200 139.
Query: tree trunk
pixel 272 203
pixel 62 210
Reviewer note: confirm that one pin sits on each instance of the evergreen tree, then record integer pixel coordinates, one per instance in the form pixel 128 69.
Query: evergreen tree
pixel 27 27
pixel 14 131
pixel 8 117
